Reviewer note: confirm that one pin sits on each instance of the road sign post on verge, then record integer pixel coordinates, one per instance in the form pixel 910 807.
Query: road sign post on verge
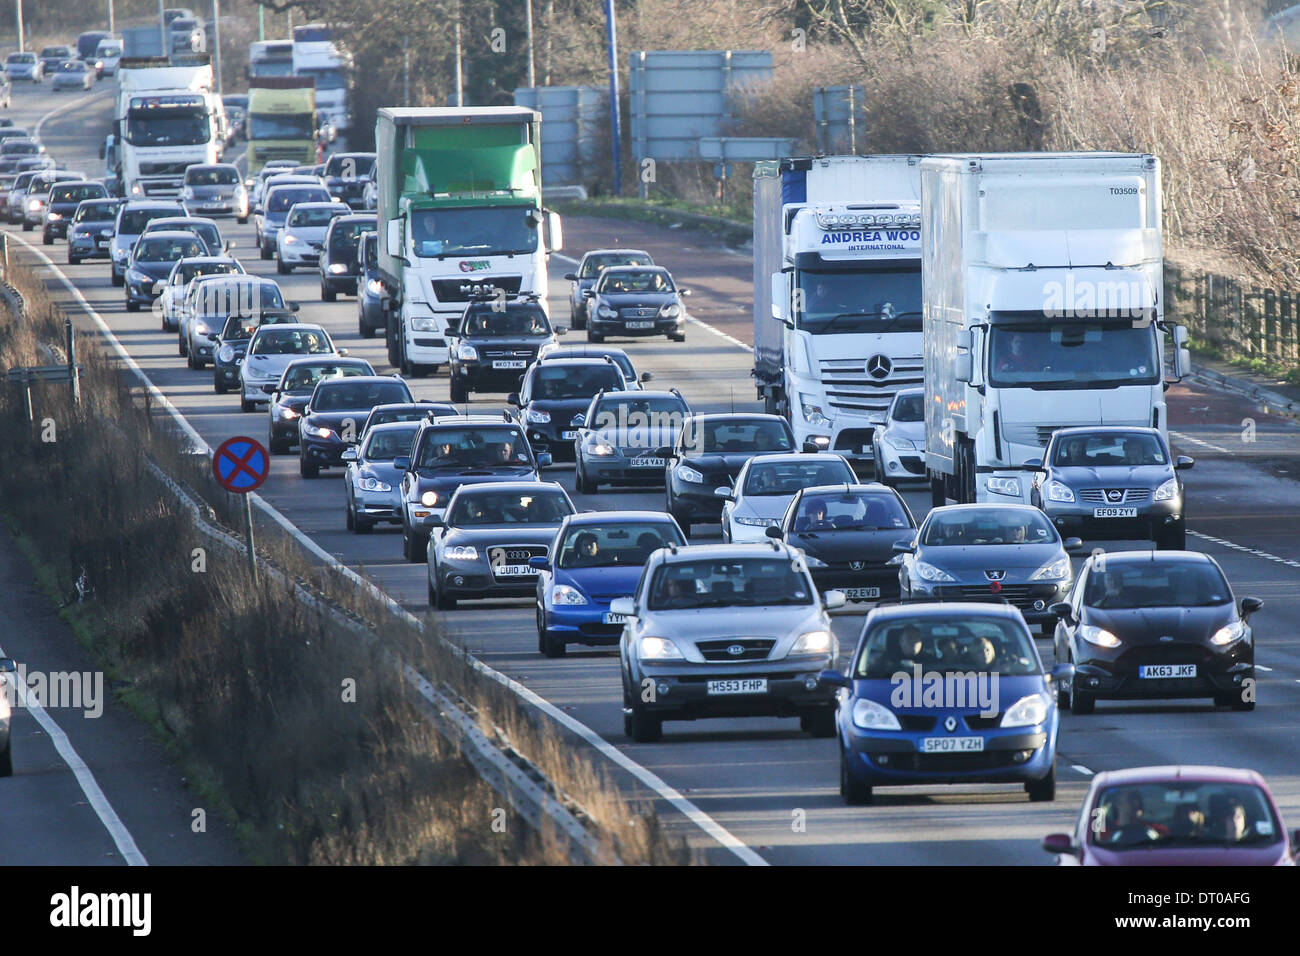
pixel 240 465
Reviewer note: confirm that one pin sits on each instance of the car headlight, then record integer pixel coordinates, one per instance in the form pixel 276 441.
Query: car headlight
pixel 687 473
pixel 336 269
pixel 813 642
pixel 600 449
pixel 288 414
pixel 136 276
pixel 812 411
pixel 290 239
pixel 466 353
pixel 537 416
pixel 225 355
pixel 428 324
pixel 375 287
pixel 429 499
pixel 1004 486
pixel 200 327
pixel 1098 635
pixel 136 189
pixel 119 254
pixel 869 715
pixel 902 444
pixel 34 204
pixel 672 311
pixel 1052 571
pixel 565 595
pixel 1055 491
pixel 1167 491
pixel 461 552
pixel 1026 712
pixel 1229 633
pixel 187 193
pixel 319 431
pixel 752 521
pixel 658 649
pixel 374 484
pixel 605 312
pixel 53 216
pixel 928 572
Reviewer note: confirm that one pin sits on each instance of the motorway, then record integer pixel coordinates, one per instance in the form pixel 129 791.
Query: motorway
pixel 773 788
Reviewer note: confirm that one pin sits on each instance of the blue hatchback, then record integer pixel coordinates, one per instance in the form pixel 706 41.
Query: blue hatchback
pixel 595 558
pixel 946 693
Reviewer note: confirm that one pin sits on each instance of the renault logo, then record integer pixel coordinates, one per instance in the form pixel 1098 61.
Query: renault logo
pixel 950 724
pixel 879 366
pixel 735 650
pixel 857 565
pixel 995 575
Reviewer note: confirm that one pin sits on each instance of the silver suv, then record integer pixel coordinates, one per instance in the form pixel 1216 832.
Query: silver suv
pixel 726 631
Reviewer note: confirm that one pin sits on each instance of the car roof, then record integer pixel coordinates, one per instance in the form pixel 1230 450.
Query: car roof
pixel 1161 774
pixel 757 550
pixel 133 204
pixel 576 362
pixel 976 506
pixel 359 379
pixel 640 394
pixel 615 270
pixel 171 234
pixel 201 166
pixel 315 204
pixel 300 325
pixel 734 416
pixel 205 260
pixel 855 487
pixel 1158 557
pixel 942 609
pixel 169 220
pixel 581 351
pixel 307 359
pixel 513 486
pixel 460 420
pixel 607 517
pixel 616 252
pixel 796 456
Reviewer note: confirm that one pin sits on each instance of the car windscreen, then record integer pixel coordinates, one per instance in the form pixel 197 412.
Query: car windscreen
pixel 474 446
pixel 21 58
pixel 372 254
pixel 241 328
pixel 952 644
pixel 726 437
pixel 909 408
pixel 617 544
pixel 638 414
pixel 1183 813
pixel 248 299
pixel 133 221
pixel 559 382
pixel 787 477
pixel 629 281
pixel 1099 449
pixel 304 376
pixel 96 211
pixel 281 199
pixel 314 216
pixel 387 444
pixel 190 270
pixel 970 526
pixel 78 192
pixel 1118 585
pixel 347 396
pixel 206 231
pixel 849 511
pixel 486 322
pixel 152 249
pixel 508 508
pixel 729 582
pixel 410 413
pixel 211 176
pixel 290 342
pixel 593 266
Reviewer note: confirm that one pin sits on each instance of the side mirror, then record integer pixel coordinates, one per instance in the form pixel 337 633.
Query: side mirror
pixel 349 454
pixel 905 546
pixel 834 679
pixel 1073 544
pixel 1034 464
pixel 834 599
pixel 811 447
pixel 1181 337
pixel 554 232
pixel 540 562
pixel 561 330
pixel 1249 605
pixel 402 462
pixel 1182 362
pixel 434 521
pixel 342 351
pixel 774 532
pixel 543 459
pixel 1059 843
pixel 571 277
pixel 294 306
pixel 214 337
pixel 647 377
pixel 7 665
pixel 1063 611
pixel 1183 462
pixel 723 492
pixel 683 292
pixel 1062 673
pixel 963 367
pixel 513 399
pixel 663 452
pixel 589 293
pixel 625 606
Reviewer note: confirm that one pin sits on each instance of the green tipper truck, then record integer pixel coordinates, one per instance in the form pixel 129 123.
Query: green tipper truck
pixel 460 215
pixel 281 120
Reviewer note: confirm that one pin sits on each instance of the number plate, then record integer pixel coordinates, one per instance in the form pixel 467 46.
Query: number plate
pixel 568 436
pixel 1166 671
pixel 640 325
pixel 756 685
pixel 647 462
pixel 612 618
pixel 509 363
pixel 1114 512
pixel 514 571
pixel 101 244
pixel 948 745
pixel 861 594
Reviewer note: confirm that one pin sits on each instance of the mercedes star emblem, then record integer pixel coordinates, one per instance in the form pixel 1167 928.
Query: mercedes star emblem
pixel 879 366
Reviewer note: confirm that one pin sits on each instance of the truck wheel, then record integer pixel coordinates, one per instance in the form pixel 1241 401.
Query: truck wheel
pixel 585 485
pixel 327 294
pixel 677 336
pixel 265 251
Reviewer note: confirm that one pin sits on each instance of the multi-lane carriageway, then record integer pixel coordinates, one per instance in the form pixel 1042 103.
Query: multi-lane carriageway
pixel 759 790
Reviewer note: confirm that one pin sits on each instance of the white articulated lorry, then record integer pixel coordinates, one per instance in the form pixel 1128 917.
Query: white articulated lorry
pixel 837 294
pixel 1043 292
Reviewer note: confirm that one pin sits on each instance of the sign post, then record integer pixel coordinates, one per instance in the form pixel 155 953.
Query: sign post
pixel 240 465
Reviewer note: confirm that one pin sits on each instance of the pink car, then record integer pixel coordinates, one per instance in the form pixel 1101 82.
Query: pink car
pixel 1177 816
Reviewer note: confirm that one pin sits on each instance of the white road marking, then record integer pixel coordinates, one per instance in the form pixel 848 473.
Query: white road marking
pixel 85 779
pixel 1245 550
pixel 1261 667
pixel 1196 441
pixel 1081 769
pixel 36 133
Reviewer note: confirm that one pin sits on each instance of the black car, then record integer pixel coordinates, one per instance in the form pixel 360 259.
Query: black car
pixel 416 411
pixel 294 391
pixel 633 378
pixel 339 263
pixel 553 400
pixel 589 269
pixel 334 417
pixel 709 452
pixel 152 259
pixel 490 534
pixel 90 233
pixel 1162 624
pixel 1102 483
pixel 371 317
pixel 635 300
pixel 346 175
pixel 63 202
pixel 454 451
pixel 494 343
pixel 230 344
pixel 52 56
pixel 847 533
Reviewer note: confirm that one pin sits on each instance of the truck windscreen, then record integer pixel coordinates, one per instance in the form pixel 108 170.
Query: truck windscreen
pixel 473 231
pixel 167 127
pixel 868 300
pixel 272 68
pixel 326 79
pixel 276 126
pixel 1075 356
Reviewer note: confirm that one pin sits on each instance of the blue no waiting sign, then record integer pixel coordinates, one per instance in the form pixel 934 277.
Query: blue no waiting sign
pixel 241 464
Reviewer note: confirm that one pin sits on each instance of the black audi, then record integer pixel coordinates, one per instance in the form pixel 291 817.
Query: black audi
pixel 1155 624
pixel 847 534
pixel 635 300
pixel 494 343
pixel 334 417
pixel 709 453
pixel 553 400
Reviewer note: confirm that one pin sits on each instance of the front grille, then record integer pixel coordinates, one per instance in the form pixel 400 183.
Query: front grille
pixel 916 722
pixel 1029 434
pixel 163 169
pixel 1022 596
pixel 854 439
pixel 850 387
pixel 431 343
pixel 1165 653
pixel 949 763
pixel 1102 496
pixel 980 722
pixel 598 629
pixel 637 312
pixel 161 187
pixel 462 290
pixel 753 649
pixel 490 355
pixel 513 554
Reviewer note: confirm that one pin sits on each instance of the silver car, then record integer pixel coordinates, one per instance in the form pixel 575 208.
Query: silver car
pixel 374 486
pixel 24 66
pixel 767 484
pixel 726 631
pixel 301 240
pixel 899 447
pixel 272 348
pixel 73 75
